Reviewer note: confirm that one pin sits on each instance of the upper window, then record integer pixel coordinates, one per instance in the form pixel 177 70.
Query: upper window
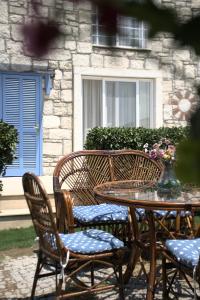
pixel 131 33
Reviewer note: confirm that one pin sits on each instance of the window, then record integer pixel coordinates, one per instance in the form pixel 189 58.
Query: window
pixel 114 103
pixel 20 106
pixel 131 33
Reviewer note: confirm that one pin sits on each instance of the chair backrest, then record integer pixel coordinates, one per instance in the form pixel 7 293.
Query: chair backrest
pixel 42 216
pixel 79 172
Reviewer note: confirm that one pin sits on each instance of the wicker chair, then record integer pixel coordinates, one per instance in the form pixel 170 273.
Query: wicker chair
pixel 184 257
pixel 70 254
pixel 75 177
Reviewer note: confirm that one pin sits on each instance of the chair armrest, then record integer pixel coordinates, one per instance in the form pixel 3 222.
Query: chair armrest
pixel 64 212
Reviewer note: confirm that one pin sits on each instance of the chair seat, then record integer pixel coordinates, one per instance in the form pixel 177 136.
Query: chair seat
pixel 185 251
pixel 91 241
pixel 100 213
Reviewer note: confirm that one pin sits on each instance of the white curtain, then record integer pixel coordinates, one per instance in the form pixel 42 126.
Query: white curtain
pixel 92 104
pixel 127 104
pixel 144 106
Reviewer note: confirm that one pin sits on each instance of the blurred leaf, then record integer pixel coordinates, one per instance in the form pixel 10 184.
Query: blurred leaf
pixel 188 161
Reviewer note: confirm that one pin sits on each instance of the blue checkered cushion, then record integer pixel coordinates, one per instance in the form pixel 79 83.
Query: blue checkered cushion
pixel 185 251
pixel 91 241
pixel 172 214
pixel 100 213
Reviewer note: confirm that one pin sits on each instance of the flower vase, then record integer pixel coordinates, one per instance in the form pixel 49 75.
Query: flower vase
pixel 168 183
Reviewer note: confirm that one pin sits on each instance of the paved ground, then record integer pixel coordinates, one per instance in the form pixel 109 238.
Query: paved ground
pixel 17 271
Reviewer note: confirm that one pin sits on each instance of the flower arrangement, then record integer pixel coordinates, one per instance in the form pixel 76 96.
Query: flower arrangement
pixel 163 150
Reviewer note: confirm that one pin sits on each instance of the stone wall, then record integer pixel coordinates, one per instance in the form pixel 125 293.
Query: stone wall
pixel 180 67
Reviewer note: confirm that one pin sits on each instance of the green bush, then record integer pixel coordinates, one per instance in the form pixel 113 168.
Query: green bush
pixel 8 142
pixel 113 138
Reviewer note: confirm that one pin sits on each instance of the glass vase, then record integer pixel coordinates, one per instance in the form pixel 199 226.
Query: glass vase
pixel 168 182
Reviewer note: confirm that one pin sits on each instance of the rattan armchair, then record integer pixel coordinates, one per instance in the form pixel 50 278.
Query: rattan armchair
pixel 75 177
pixel 181 257
pixel 70 254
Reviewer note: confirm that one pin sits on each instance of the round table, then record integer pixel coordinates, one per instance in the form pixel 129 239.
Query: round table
pixel 144 194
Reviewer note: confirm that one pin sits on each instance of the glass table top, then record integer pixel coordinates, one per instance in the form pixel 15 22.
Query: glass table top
pixel 147 193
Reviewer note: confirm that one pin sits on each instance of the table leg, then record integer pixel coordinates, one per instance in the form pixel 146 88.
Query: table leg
pixel 152 272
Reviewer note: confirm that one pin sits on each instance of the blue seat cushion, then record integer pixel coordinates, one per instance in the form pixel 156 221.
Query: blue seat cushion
pixel 185 251
pixel 171 214
pixel 90 241
pixel 100 213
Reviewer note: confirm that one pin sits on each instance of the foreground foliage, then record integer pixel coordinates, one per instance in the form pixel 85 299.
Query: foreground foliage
pixel 8 142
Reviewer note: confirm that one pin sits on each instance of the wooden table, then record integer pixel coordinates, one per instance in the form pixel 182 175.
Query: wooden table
pixel 144 194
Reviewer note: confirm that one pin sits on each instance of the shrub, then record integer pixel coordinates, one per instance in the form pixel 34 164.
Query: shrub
pixel 113 138
pixel 8 142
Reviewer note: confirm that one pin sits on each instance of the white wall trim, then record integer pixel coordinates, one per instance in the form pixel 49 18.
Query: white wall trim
pixel 81 72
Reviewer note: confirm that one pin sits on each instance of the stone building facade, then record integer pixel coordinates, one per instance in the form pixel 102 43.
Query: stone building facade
pixel 176 70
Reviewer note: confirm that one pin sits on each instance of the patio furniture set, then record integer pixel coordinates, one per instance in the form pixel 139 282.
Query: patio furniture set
pixel 110 215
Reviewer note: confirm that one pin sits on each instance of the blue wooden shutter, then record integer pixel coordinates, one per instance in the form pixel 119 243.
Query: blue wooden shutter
pixel 22 108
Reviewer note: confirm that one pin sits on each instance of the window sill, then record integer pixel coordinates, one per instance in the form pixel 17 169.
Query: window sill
pixel 120 48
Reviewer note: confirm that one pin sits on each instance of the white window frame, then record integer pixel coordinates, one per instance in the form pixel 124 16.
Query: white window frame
pixel 141 28
pixel 81 73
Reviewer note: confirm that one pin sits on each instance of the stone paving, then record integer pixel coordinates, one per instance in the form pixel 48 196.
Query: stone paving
pixel 16 276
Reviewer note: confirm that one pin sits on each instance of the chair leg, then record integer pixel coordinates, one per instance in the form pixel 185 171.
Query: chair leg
pixel 37 271
pixel 164 278
pixel 121 284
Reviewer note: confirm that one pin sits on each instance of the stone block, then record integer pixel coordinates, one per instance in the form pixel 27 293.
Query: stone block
pixel 4 31
pixel 53 64
pixel 167 112
pixel 14 47
pixel 52 148
pixel 85 33
pixel 66 95
pixel 190 71
pixel 58 54
pixel 4 59
pixel 167 86
pixel 2 45
pixel 67 147
pixel 70 45
pixel 80 60
pixel 156 46
pixel 67 75
pixel 21 63
pixel 85 17
pixel 56 84
pixel 48 107
pixel 16 32
pixel 4 11
pixel 54 94
pixel 66 122
pixel 195 4
pixel 58 75
pixel 40 64
pixel 68 5
pixel 48 2
pixel 59 134
pixel 17 10
pixel 84 5
pixel 51 122
pixel 137 64
pixel 65 65
pixel 66 84
pixel 96 60
pixel 113 62
pixel 152 64
pixel 16 19
pixel 181 55
pixel 84 47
